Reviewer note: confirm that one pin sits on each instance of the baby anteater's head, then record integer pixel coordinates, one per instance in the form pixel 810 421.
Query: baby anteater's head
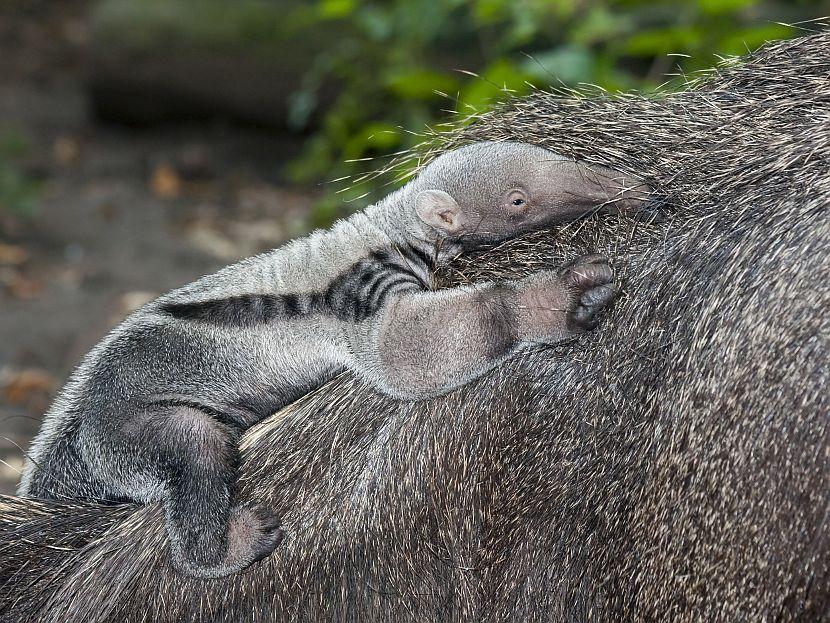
pixel 491 191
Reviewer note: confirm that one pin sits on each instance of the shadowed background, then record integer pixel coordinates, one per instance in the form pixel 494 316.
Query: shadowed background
pixel 143 144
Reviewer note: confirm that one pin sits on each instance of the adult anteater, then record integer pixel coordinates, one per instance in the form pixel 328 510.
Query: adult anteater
pixel 672 466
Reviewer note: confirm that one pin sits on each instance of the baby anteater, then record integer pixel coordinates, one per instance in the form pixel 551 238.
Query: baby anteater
pixel 156 409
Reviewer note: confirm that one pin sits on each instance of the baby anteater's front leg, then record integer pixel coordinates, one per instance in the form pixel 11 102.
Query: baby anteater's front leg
pixel 193 459
pixel 427 343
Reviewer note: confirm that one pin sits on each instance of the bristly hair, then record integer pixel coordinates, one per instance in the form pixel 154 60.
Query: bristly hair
pixel 673 465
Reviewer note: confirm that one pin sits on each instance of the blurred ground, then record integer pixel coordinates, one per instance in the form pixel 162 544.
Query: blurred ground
pixel 122 214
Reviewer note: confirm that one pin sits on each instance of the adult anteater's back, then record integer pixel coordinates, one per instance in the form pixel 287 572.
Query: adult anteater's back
pixel 674 465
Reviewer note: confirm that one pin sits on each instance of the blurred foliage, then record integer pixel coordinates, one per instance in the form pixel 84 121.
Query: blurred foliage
pixel 261 27
pixel 18 193
pixel 397 61
pixel 375 71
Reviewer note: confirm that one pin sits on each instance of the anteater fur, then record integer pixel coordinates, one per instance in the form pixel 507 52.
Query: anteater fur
pixel 674 465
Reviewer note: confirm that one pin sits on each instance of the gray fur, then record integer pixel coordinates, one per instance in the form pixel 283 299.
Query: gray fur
pixel 156 409
pixel 674 466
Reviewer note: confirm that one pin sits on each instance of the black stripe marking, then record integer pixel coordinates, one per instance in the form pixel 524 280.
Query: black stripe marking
pixel 417 255
pixel 354 295
pixel 292 304
pixel 362 291
pixel 243 310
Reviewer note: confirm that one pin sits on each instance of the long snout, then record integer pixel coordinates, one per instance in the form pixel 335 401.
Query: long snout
pixel 583 188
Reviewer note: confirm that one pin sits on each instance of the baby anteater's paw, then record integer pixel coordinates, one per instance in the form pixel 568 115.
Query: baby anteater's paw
pixel 555 305
pixel 252 534
pixel 591 281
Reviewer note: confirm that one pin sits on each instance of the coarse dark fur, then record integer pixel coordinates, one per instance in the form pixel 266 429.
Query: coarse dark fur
pixel 674 466
pixel 155 411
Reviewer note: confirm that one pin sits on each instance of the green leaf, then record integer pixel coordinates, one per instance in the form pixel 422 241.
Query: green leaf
pixel 568 63
pixel 335 9
pixel 419 84
pixel 600 24
pixel 721 7
pixel 747 39
pixel 489 11
pixel 661 41
pixel 17 193
pixel 502 79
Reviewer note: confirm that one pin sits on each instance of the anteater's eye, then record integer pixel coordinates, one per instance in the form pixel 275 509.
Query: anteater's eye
pixel 516 201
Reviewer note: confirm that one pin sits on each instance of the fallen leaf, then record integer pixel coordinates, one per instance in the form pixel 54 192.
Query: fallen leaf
pixel 21 287
pixel 65 150
pixel 29 386
pixel 11 254
pixel 166 183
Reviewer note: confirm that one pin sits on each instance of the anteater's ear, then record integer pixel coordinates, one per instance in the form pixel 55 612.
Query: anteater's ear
pixel 439 210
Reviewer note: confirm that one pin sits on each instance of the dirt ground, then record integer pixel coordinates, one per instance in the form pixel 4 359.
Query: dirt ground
pixel 122 214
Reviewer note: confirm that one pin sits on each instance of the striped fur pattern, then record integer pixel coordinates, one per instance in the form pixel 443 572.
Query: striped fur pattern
pixel 155 411
pixel 673 466
pixel 358 293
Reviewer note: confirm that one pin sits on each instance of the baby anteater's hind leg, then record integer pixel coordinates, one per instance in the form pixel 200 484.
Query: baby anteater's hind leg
pixel 196 458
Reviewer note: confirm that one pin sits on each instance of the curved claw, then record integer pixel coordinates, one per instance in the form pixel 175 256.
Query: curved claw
pixel 590 304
